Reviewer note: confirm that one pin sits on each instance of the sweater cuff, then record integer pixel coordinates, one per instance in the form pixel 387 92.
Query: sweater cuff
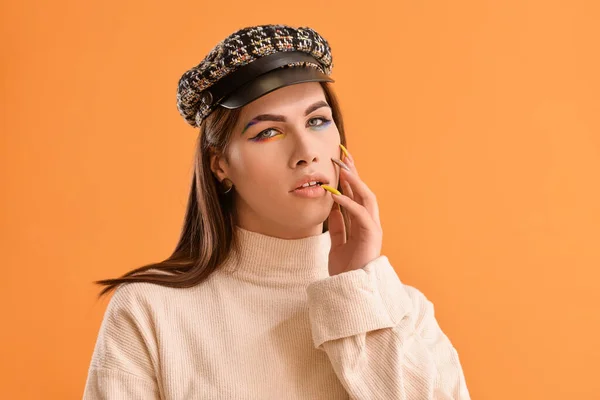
pixel 356 302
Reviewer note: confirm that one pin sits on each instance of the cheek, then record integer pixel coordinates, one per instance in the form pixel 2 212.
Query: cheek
pixel 332 141
pixel 255 168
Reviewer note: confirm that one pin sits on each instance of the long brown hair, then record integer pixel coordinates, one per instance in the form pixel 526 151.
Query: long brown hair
pixel 208 232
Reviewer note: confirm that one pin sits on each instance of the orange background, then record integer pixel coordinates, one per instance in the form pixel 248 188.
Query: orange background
pixel 476 123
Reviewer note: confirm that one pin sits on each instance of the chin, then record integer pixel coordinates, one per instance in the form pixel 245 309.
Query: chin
pixel 311 215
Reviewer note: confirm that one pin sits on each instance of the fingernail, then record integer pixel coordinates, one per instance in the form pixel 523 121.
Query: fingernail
pixel 330 189
pixel 340 163
pixel 345 150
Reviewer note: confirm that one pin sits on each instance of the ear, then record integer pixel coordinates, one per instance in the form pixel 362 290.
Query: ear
pixel 218 165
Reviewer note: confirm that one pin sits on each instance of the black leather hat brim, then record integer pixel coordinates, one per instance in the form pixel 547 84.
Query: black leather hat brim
pixel 270 81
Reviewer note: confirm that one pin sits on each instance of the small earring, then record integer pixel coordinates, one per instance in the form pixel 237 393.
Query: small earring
pixel 226 185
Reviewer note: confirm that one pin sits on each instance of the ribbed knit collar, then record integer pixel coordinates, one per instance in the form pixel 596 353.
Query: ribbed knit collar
pixel 271 260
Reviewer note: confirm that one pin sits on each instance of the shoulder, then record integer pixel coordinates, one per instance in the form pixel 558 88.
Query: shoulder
pixel 127 339
pixel 128 303
pixel 134 314
pixel 134 294
pixel 139 301
pixel 145 299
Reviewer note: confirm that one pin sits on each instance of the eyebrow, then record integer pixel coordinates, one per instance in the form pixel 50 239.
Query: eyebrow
pixel 280 118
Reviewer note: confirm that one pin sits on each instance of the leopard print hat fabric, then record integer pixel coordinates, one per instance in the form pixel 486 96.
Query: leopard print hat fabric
pixel 241 48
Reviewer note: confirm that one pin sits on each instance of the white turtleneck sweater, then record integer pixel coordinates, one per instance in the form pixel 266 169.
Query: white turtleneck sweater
pixel 271 323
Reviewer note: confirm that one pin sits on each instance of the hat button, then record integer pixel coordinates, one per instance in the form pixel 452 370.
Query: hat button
pixel 207 98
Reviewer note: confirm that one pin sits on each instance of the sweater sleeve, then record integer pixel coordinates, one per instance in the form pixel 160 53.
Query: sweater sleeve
pixel 122 365
pixel 382 337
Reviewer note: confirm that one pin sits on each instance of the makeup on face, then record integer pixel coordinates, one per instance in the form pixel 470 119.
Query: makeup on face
pixel 253 122
pixel 261 138
pixel 280 118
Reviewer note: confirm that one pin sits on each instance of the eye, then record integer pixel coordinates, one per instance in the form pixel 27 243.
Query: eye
pixel 265 134
pixel 318 122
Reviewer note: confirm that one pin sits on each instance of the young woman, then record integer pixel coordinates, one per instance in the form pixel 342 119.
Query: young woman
pixel 277 288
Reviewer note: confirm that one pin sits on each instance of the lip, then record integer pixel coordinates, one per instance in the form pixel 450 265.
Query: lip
pixel 313 192
pixel 310 178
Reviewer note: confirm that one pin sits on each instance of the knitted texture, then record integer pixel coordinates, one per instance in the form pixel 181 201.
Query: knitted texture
pixel 270 323
pixel 239 49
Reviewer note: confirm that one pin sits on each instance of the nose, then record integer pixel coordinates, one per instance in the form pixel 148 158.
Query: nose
pixel 306 149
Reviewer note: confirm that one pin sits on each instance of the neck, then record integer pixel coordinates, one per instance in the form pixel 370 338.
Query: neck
pixel 266 259
pixel 247 222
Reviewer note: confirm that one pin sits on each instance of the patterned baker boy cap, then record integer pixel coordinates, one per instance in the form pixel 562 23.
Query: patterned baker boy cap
pixel 250 63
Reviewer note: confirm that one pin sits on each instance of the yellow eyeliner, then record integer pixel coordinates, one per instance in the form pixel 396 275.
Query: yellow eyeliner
pixel 331 190
pixel 272 139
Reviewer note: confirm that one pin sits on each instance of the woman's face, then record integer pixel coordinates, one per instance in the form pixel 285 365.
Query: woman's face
pixel 282 139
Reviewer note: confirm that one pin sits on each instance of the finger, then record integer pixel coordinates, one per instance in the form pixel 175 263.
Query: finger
pixel 362 194
pixel 348 159
pixel 350 193
pixel 361 215
pixel 348 162
pixel 344 185
pixel 346 189
pixel 337 229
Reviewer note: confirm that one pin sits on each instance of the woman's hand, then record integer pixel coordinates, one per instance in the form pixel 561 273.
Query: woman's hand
pixel 365 239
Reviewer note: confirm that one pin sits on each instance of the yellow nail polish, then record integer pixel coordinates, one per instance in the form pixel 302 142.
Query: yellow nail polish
pixel 344 150
pixel 330 189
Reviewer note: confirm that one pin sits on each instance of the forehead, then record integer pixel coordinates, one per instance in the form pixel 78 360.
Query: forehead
pixel 286 100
